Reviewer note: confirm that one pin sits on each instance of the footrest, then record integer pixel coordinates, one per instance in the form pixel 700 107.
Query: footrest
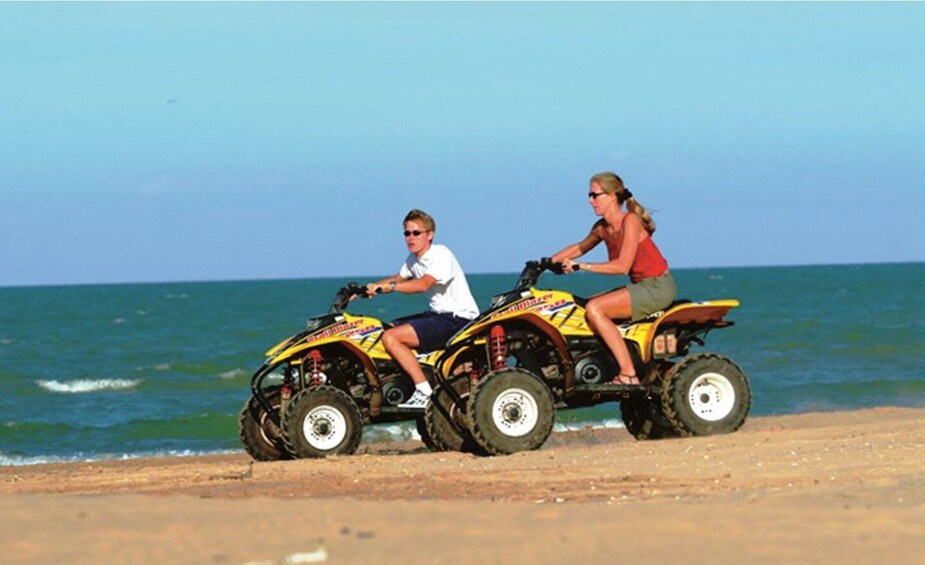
pixel 608 388
pixel 397 410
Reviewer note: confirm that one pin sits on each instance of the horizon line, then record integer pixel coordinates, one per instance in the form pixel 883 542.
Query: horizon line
pixel 280 279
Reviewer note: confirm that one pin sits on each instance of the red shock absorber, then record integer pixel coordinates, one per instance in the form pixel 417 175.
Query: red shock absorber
pixel 316 376
pixel 497 344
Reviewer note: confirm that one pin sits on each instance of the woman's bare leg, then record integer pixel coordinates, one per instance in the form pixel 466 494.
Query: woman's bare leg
pixel 598 313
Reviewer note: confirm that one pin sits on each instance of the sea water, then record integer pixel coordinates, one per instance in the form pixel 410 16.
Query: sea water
pixel 119 371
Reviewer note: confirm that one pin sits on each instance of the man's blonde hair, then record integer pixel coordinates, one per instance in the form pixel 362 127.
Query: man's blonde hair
pixel 421 217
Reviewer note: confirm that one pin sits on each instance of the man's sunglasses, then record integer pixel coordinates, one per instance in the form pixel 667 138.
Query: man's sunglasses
pixel 415 233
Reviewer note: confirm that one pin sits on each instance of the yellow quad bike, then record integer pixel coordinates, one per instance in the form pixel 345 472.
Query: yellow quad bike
pixel 316 389
pixel 503 375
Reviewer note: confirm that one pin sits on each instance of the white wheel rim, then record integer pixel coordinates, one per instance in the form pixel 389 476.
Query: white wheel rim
pixel 515 412
pixel 711 397
pixel 324 427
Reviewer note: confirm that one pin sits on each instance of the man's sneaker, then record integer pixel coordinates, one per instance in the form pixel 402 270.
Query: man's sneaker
pixel 418 401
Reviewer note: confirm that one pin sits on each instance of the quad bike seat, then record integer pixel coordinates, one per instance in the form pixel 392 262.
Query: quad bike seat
pixel 583 302
pixel 656 315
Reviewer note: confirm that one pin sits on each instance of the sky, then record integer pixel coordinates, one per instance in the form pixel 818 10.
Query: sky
pixel 147 142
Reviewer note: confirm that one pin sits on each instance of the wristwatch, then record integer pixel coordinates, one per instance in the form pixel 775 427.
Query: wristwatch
pixel 392 284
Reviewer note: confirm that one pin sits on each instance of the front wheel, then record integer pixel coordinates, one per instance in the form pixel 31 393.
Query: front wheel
pixel 511 410
pixel 706 394
pixel 321 421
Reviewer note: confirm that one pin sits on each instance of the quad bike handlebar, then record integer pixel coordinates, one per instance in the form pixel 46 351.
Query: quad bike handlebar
pixel 345 294
pixel 533 269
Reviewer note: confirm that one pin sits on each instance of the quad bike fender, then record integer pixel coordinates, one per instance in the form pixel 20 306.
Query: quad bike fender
pixel 296 350
pixel 273 351
pixel 295 354
pixel 709 313
pixel 477 333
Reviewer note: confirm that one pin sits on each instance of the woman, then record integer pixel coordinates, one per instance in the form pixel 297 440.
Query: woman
pixel 630 250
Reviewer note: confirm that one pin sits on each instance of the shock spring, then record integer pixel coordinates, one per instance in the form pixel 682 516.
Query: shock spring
pixel 497 341
pixel 316 375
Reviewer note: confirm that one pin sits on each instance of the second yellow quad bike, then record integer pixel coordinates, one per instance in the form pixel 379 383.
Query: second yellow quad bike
pixel 316 389
pixel 503 376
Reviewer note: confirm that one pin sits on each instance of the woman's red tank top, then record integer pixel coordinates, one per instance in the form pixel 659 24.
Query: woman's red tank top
pixel 648 263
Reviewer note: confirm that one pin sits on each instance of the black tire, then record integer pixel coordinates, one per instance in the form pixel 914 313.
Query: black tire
pixel 511 410
pixel 446 420
pixel 262 438
pixel 706 394
pixel 321 421
pixel 425 435
pixel 644 419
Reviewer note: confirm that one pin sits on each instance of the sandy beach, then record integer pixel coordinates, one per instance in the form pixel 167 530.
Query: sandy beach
pixel 845 487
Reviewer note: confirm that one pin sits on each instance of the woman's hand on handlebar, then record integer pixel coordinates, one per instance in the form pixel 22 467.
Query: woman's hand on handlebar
pixel 569 266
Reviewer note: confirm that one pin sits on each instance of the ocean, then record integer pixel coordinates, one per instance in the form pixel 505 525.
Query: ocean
pixel 131 370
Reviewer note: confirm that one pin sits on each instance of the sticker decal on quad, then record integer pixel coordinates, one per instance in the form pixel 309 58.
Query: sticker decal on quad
pixel 334 330
pixel 535 303
pixel 551 309
pixel 345 329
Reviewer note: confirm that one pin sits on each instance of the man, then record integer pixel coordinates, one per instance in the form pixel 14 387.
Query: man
pixel 432 269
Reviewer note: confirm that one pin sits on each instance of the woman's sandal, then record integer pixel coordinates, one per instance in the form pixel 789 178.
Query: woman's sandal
pixel 622 379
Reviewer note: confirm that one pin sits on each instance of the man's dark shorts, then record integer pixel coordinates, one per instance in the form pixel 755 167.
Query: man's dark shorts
pixel 433 329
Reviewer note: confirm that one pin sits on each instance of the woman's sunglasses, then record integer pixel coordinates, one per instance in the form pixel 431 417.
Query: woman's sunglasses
pixel 415 233
pixel 594 195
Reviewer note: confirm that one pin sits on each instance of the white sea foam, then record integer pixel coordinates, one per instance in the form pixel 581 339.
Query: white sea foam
pixel 390 432
pixel 7 460
pixel 16 460
pixel 612 423
pixel 232 374
pixel 88 385
pixel 119 321
pixel 7 341
pixel 404 431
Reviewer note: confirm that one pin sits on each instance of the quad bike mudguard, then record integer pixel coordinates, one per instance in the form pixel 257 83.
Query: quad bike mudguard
pixel 699 317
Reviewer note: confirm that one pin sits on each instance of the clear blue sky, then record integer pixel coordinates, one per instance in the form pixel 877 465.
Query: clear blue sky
pixel 164 142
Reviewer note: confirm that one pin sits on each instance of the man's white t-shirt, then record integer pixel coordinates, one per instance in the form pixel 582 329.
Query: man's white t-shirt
pixel 450 294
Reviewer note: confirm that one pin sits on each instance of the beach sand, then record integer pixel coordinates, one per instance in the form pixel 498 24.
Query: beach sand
pixel 843 487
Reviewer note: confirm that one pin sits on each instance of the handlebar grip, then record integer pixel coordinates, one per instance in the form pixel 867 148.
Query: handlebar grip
pixel 550 265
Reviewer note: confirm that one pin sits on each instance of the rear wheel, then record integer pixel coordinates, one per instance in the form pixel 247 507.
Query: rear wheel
pixel 511 410
pixel 261 436
pixel 446 421
pixel 644 419
pixel 706 394
pixel 321 421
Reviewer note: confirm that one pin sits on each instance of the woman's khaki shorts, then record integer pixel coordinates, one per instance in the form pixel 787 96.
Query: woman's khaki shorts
pixel 652 294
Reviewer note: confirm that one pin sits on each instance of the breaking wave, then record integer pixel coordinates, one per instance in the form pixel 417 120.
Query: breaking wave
pixel 88 385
